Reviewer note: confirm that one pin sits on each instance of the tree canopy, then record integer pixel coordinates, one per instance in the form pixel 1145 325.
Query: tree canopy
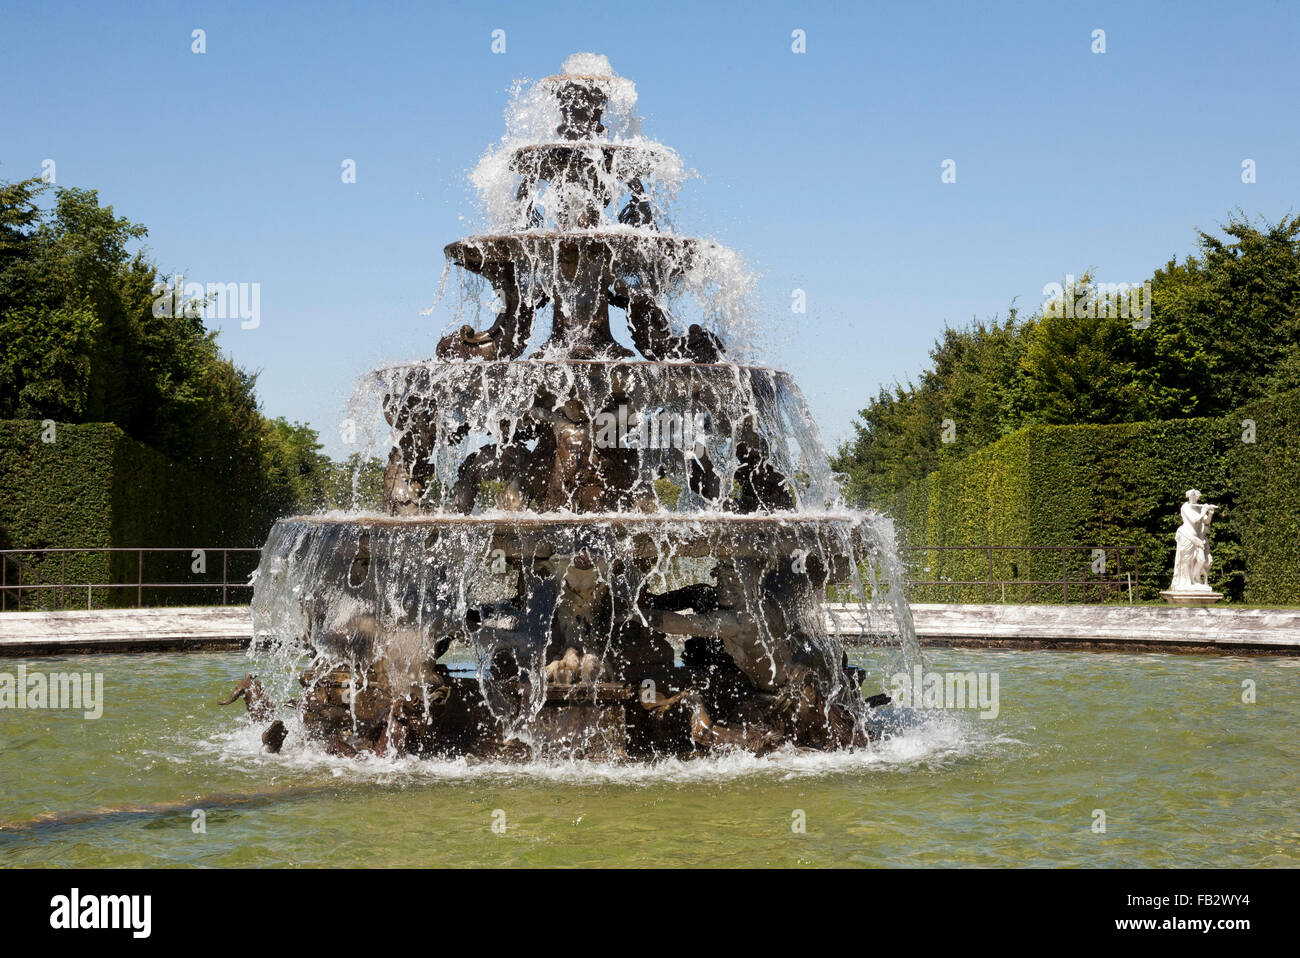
pixel 1223 331
pixel 80 342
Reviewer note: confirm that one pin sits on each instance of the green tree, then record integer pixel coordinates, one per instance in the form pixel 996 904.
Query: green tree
pixel 972 394
pixel 82 341
pixel 1077 361
pixel 299 474
pixel 1226 325
pixel 355 483
pixel 1224 331
pixel 45 361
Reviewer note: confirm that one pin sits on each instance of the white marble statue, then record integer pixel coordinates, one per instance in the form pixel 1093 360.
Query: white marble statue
pixel 1192 558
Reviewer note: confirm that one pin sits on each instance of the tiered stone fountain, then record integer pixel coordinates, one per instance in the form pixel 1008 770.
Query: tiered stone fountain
pixel 636 549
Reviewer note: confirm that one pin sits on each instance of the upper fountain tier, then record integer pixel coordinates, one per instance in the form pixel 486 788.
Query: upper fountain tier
pixel 573 157
pixel 576 201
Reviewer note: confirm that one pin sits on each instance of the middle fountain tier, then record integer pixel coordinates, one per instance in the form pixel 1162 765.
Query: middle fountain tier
pixel 636 549
pixel 597 435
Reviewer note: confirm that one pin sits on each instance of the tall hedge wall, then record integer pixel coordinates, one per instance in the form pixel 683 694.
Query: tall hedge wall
pixel 1104 486
pixel 93 486
pixel 1265 475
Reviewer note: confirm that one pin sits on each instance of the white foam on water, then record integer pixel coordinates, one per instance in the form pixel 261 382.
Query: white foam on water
pixel 916 740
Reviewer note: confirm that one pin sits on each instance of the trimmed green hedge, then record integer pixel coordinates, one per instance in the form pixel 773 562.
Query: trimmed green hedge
pixel 93 486
pixel 1106 486
pixel 1266 478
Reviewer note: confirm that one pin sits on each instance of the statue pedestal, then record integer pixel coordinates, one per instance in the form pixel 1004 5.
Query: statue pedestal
pixel 1191 597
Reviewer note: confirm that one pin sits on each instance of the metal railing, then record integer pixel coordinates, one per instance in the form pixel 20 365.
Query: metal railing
pixel 12 569
pixel 28 578
pixel 1083 582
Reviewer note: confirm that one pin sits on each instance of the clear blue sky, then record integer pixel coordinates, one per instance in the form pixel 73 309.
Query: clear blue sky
pixel 823 169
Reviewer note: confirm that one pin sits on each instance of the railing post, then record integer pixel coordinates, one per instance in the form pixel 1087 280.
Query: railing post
pixel 224 555
pixel 990 551
pixel 63 578
pixel 139 580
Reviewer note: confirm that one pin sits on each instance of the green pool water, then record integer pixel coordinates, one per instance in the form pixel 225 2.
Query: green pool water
pixel 1185 772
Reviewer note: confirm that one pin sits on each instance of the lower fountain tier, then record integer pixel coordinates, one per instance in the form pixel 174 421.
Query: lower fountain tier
pixel 446 713
pixel 837 539
pixel 453 715
pixel 368 585
pixel 550 603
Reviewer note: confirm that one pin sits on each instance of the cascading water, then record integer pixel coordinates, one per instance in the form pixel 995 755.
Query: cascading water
pixel 637 549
